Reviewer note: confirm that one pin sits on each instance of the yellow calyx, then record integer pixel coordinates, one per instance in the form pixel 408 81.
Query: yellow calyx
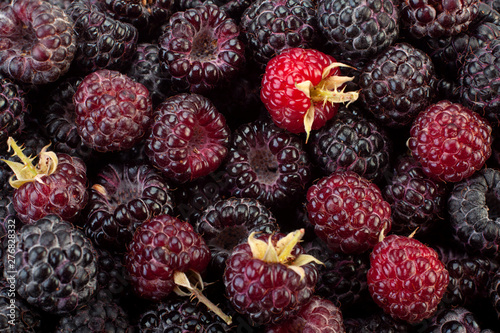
pixel 282 251
pixel 327 91
pixel 27 172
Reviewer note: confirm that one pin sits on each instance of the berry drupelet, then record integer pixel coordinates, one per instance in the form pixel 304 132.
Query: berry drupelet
pixel 13 107
pixel 397 84
pixel 348 212
pixel 357 30
pixel 300 89
pixel 233 8
pixel 57 184
pixel 227 223
pixel 480 81
pixel 473 209
pixel 437 18
pixel 456 319
pixel 188 139
pixel 37 44
pixel 113 112
pixel 59 120
pixel 416 200
pixel 269 27
pixel 200 48
pixel 351 142
pixel 181 315
pixel 406 278
pixel 450 141
pixel 102 42
pixel 121 198
pixel 56 265
pixel 15 314
pixel 266 163
pixel 269 278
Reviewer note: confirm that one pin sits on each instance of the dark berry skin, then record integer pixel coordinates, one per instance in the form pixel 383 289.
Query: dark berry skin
pixel 121 199
pixel 38 42
pixel 13 107
pixel 160 247
pixel 189 138
pixel 200 48
pixel 473 208
pixel 266 163
pixel 102 41
pixel 56 265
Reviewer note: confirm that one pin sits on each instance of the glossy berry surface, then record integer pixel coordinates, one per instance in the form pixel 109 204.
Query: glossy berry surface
pixel 406 278
pixel 56 265
pixel 63 192
pixel 348 212
pixel 450 141
pixel 112 111
pixel 38 43
pixel 288 105
pixel 189 138
pixel 204 55
pixel 266 163
pixel 160 247
pixel 121 199
pixel 13 106
pixel 267 292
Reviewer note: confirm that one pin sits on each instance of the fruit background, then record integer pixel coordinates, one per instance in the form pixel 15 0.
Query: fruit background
pixel 250 166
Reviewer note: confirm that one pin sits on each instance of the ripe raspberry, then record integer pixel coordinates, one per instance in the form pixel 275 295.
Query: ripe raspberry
pixel 13 107
pixel 229 222
pixel 200 48
pixel 57 185
pixel 348 212
pixel 15 314
pixel 189 138
pixel 56 265
pixel 121 198
pixel 102 41
pixel 300 89
pixel 416 200
pixel 271 26
pixel 266 163
pixel 473 209
pixel 378 322
pixel 59 120
pixel 163 251
pixel 37 43
pixel 112 111
pixel 437 18
pixel 317 316
pixel 406 278
pixel 268 278
pixel 397 84
pixel 358 30
pixel 351 142
pixel 450 141
pixel 456 319
pixel 233 8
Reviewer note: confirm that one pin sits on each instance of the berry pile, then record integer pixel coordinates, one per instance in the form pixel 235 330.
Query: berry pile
pixel 250 166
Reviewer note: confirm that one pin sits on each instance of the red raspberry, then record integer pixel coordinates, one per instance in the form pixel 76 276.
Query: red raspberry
pixel 450 141
pixel 112 111
pixel 268 278
pixel 164 254
pixel 56 185
pixel 189 138
pixel 300 89
pixel 317 316
pixel 348 212
pixel 406 278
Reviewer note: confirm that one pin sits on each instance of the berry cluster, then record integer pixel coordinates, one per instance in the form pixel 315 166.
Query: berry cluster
pixel 250 166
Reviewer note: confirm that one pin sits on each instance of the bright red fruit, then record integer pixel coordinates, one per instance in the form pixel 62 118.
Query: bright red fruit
pixel 301 89
pixel 406 278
